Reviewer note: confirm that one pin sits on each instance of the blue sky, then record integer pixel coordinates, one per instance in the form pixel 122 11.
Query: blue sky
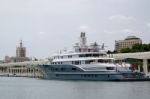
pixel 47 26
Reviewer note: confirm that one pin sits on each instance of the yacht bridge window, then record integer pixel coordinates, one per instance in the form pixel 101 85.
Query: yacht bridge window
pixel 104 61
pixel 91 55
pixel 76 62
pixel 110 68
pixel 70 56
pixel 89 61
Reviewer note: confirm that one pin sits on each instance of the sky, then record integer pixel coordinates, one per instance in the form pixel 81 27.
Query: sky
pixel 48 26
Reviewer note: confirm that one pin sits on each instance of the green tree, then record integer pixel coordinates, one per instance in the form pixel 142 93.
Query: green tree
pixel 137 48
pixel 125 50
pixel 109 52
pixel 146 47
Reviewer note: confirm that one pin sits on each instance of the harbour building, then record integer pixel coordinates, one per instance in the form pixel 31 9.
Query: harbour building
pixel 127 43
pixel 20 50
pixel 20 55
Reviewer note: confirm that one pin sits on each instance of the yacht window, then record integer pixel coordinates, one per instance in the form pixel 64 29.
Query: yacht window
pixel 52 68
pixel 79 49
pixel 79 62
pixel 82 55
pixel 88 55
pixel 89 61
pixel 108 61
pixel 73 68
pixel 100 61
pixel 62 69
pixel 96 55
pixel 95 75
pixel 56 69
pixel 57 75
pixel 110 68
pixel 102 55
pixel 89 50
pixel 70 56
pixel 76 62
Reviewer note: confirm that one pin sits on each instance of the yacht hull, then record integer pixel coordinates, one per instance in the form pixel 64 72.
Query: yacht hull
pixel 52 73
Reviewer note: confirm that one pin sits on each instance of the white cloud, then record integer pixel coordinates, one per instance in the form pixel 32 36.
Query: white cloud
pixel 148 24
pixel 124 31
pixel 127 31
pixel 41 33
pixel 121 17
pixel 108 32
pixel 83 27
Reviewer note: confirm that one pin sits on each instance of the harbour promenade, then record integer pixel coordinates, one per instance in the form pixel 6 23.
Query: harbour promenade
pixel 22 69
pixel 144 56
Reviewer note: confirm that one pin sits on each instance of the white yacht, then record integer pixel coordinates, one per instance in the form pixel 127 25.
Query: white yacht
pixel 87 63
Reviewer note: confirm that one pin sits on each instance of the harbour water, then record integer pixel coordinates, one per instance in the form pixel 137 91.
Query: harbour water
pixel 30 88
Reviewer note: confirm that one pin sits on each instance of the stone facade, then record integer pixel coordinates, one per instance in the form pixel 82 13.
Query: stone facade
pixel 20 55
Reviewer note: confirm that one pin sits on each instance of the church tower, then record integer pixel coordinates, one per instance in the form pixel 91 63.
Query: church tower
pixel 20 50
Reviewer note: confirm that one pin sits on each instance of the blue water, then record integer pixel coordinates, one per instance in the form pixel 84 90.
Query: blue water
pixel 29 88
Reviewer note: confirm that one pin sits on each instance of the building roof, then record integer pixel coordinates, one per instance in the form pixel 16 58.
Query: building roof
pixel 132 38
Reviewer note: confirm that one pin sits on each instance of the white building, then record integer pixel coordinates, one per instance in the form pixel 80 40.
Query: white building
pixel 127 43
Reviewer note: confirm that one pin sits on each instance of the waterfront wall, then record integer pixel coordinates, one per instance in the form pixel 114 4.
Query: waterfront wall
pixel 20 71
